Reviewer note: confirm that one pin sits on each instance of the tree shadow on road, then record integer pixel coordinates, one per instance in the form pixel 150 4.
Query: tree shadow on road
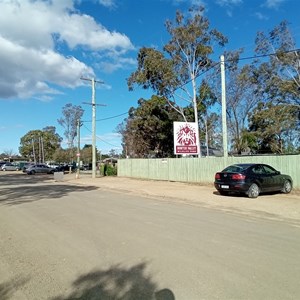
pixel 117 283
pixel 7 289
pixel 26 194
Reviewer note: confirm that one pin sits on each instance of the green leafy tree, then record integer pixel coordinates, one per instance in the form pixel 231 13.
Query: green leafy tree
pixel 71 116
pixel 276 128
pixel 148 131
pixel 276 85
pixel 61 156
pixel 278 77
pixel 173 72
pixel 40 145
pixel 86 153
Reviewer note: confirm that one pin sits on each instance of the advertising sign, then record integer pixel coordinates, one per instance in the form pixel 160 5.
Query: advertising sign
pixel 186 138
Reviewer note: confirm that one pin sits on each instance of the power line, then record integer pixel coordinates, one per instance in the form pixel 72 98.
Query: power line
pixel 101 138
pixel 242 58
pixel 108 118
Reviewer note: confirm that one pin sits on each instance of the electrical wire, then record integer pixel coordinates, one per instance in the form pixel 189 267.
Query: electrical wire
pixel 198 75
pixel 108 118
pixel 101 139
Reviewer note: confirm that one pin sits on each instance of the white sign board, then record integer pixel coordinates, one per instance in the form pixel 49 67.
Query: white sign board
pixel 186 138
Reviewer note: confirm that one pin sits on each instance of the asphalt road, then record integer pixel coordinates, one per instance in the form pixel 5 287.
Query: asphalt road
pixel 65 241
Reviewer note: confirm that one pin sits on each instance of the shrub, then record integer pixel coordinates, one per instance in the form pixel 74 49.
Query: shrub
pixel 110 170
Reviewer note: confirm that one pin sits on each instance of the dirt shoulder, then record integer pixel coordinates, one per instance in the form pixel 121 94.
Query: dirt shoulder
pixel 275 206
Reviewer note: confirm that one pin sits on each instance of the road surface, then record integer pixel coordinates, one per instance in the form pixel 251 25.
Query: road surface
pixel 65 241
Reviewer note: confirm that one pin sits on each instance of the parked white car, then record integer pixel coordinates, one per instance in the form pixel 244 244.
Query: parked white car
pixel 9 167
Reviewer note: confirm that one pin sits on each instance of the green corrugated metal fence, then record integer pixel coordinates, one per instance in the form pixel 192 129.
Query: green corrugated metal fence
pixel 202 170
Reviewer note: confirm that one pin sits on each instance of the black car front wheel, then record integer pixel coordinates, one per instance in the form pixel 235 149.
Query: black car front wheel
pixel 287 187
pixel 253 191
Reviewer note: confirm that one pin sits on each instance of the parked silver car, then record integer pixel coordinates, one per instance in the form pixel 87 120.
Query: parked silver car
pixel 9 167
pixel 39 168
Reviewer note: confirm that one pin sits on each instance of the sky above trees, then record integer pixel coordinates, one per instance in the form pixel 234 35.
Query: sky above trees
pixel 47 46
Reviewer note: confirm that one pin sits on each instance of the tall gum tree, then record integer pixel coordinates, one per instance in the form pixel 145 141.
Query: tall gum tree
pixel 278 76
pixel 71 116
pixel 173 73
pixel 277 87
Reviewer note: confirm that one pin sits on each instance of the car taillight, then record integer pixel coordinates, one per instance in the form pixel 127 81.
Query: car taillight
pixel 238 177
pixel 217 176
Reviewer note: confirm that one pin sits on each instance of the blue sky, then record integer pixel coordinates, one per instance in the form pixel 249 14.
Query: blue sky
pixel 46 46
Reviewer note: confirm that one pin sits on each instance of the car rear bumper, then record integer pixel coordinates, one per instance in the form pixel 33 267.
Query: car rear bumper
pixel 238 187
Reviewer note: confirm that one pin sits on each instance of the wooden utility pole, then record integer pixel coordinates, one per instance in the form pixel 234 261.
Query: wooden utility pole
pixel 93 81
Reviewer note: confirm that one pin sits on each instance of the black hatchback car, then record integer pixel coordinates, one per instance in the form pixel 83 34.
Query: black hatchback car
pixel 252 179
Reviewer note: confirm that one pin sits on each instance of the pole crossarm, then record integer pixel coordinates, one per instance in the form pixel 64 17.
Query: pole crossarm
pixel 88 79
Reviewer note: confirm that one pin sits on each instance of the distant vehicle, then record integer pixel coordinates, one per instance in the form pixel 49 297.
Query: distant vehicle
pixel 252 179
pixel 66 168
pixel 26 166
pixel 2 163
pixel 87 167
pixel 9 167
pixel 40 169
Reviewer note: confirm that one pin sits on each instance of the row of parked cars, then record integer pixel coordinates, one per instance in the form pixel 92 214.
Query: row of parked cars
pixel 32 168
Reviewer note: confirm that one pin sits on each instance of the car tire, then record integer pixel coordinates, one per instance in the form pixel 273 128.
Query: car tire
pixel 287 187
pixel 253 191
pixel 4 169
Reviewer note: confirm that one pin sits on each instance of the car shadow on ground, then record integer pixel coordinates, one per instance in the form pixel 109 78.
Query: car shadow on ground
pixel 241 195
pixel 37 189
pixel 117 282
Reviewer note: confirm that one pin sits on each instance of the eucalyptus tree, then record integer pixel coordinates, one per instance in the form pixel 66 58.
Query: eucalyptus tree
pixel 173 72
pixel 278 71
pixel 148 130
pixel 276 128
pixel 71 116
pixel 277 83
pixel 40 145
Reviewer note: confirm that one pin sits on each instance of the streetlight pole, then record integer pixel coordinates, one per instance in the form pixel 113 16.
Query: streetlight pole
pixel 224 121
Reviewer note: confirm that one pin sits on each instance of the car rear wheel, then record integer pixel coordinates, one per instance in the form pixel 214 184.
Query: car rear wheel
pixel 253 191
pixel 287 187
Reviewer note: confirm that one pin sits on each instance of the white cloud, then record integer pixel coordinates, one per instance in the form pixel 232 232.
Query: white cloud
pixel 117 63
pixel 229 2
pixel 260 16
pixel 30 34
pixel 273 3
pixel 108 3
